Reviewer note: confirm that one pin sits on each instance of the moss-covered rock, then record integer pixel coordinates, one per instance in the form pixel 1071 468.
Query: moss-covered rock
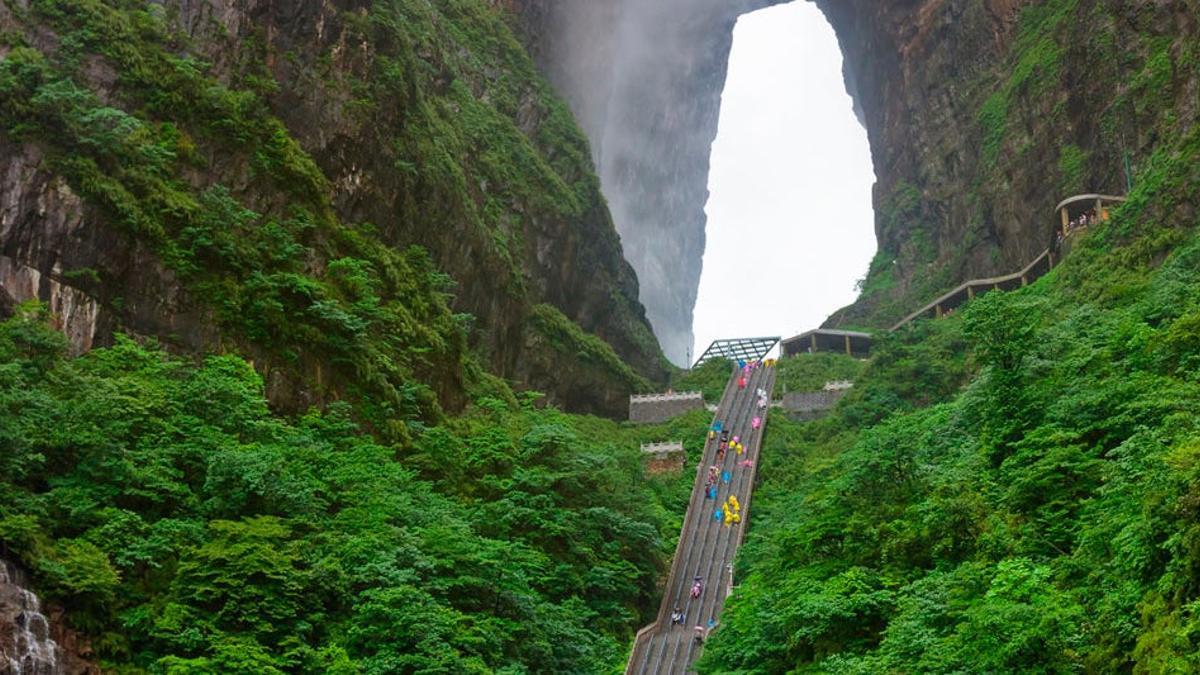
pixel 319 186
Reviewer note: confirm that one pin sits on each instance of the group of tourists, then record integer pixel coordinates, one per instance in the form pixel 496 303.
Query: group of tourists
pixel 728 512
pixel 731 511
pixel 727 443
pixel 1085 220
pixel 715 474
pixel 677 617
pixel 748 367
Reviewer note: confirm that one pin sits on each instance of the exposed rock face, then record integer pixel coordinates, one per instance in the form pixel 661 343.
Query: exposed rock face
pixel 645 81
pixel 32 643
pixel 965 188
pixel 982 115
pixel 512 212
pixel 56 248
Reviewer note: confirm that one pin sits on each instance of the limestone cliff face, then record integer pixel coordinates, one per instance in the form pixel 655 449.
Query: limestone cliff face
pixel 983 114
pixel 425 125
pixel 645 81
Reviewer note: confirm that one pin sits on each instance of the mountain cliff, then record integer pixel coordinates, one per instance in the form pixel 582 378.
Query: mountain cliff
pixel 1014 487
pixel 645 81
pixel 353 194
pixel 982 115
pixel 979 122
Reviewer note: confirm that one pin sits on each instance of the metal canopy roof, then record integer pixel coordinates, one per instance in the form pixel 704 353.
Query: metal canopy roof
pixel 745 349
pixel 1088 199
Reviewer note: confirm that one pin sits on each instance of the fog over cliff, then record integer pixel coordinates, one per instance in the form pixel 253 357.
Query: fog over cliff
pixel 644 78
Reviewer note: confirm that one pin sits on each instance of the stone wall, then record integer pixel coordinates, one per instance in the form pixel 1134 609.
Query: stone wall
pixel 653 408
pixel 807 405
pixel 644 79
pixel 664 457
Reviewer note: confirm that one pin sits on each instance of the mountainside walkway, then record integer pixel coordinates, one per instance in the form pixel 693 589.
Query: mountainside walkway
pixel 706 546
pixel 968 290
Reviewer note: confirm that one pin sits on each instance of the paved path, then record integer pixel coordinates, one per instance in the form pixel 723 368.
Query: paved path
pixel 706 547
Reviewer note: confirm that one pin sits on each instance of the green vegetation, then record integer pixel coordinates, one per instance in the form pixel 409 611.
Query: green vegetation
pixel 709 379
pixel 296 282
pixel 192 161
pixel 810 372
pixel 993 122
pixel 188 530
pixel 1034 69
pixel 1072 170
pixel 566 337
pixel 1011 489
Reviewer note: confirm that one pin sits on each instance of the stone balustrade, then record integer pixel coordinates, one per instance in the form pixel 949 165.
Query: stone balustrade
pixel 654 408
pixel 664 456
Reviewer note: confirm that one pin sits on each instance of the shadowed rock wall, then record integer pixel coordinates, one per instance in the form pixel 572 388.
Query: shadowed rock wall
pixel 981 115
pixel 427 123
pixel 645 81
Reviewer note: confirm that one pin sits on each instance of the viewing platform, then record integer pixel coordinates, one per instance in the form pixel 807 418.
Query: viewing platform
pixel 851 343
pixel 738 349
pixel 1081 206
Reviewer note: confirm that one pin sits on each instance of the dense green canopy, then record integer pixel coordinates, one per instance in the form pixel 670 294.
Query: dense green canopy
pixel 186 528
pixel 1013 489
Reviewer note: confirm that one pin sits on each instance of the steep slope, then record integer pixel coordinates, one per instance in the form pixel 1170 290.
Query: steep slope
pixel 172 520
pixel 983 115
pixel 255 174
pixel 1014 488
pixel 645 81
pixel 979 116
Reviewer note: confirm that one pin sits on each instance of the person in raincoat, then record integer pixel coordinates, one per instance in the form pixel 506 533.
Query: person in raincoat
pixel 725 477
pixel 756 422
pixel 728 515
pixel 733 503
pixel 718 514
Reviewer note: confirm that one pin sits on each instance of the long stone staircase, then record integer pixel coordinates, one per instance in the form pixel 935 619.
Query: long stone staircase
pixel 706 546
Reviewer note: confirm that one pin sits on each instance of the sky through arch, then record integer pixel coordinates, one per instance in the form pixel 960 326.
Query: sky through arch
pixel 790 224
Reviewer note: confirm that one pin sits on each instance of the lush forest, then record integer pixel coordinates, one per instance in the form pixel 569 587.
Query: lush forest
pixel 806 374
pixel 325 453
pixel 190 530
pixel 1013 489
